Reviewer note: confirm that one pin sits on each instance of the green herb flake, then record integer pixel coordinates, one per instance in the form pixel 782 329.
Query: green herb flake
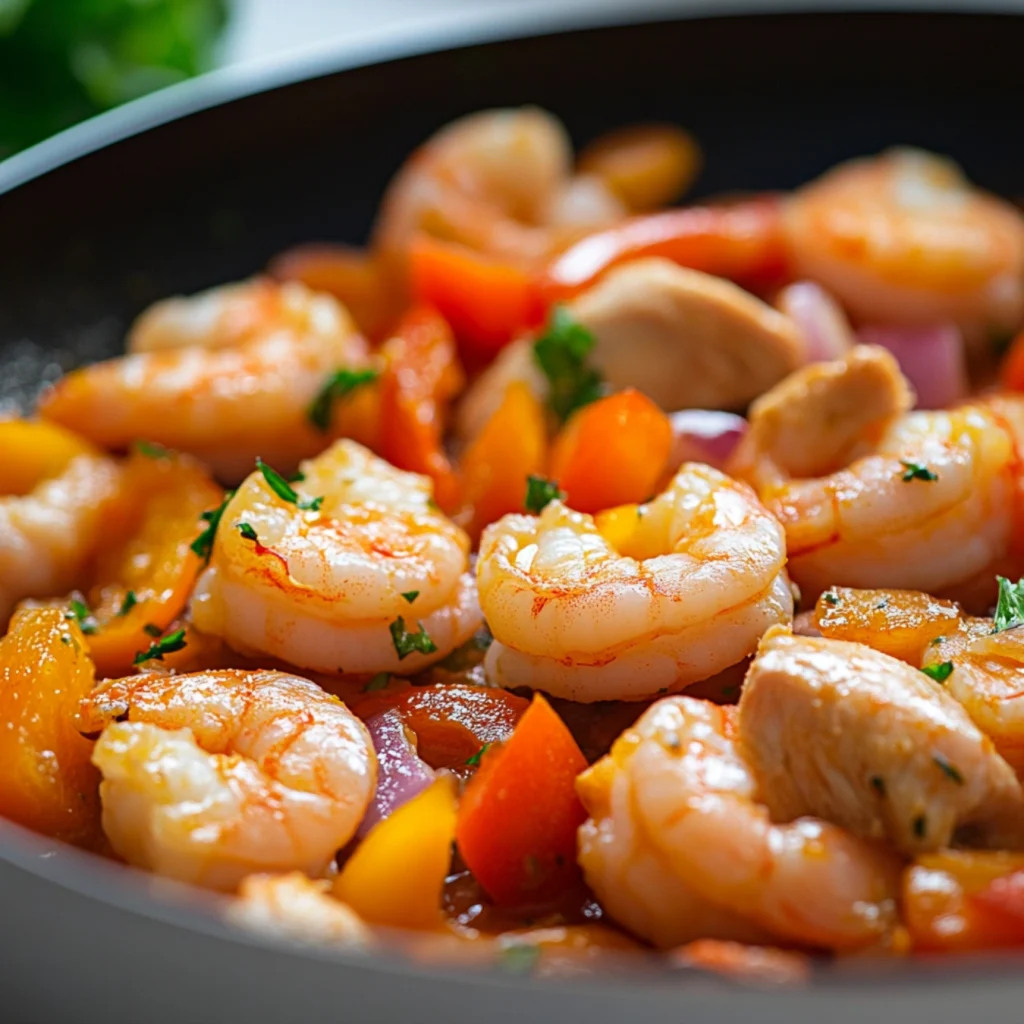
pixel 938 640
pixel 920 826
pixel 378 682
pixel 949 770
pixel 1010 606
pixel 203 544
pixel 541 492
pixel 152 450
pixel 475 759
pixel 284 490
pixel 940 673
pixel 297 477
pixel 519 958
pixel 168 645
pixel 246 531
pixel 830 598
pixel 81 614
pixel 411 595
pixel 339 385
pixel 129 602
pixel 878 784
pixel 151 630
pixel 407 643
pixel 561 352
pixel 65 639
pixel 915 471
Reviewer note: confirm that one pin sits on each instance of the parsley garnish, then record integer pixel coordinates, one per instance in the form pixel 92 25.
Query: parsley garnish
pixel 81 614
pixel 920 826
pixel 475 759
pixel 339 384
pixel 129 602
pixel 378 682
pixel 65 639
pixel 152 450
pixel 878 784
pixel 561 352
pixel 950 770
pixel 246 531
pixel 168 645
pixel 284 490
pixel 539 492
pixel 519 958
pixel 203 544
pixel 940 673
pixel 830 598
pixel 1010 607
pixel 152 630
pixel 297 477
pixel 915 471
pixel 411 595
pixel 407 643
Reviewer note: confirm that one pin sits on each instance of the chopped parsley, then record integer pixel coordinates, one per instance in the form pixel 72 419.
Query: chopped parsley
pixel 1010 607
pixel 561 352
pixel 129 602
pixel 920 826
pixel 65 639
pixel 152 450
pixel 940 673
pixel 915 471
pixel 284 490
pixel 246 531
pixel 519 958
pixel 878 784
pixel 297 477
pixel 949 770
pixel 540 493
pixel 475 759
pixel 378 682
pixel 168 645
pixel 407 643
pixel 203 544
pixel 152 630
pixel 938 640
pixel 339 384
pixel 411 595
pixel 81 614
pixel 830 598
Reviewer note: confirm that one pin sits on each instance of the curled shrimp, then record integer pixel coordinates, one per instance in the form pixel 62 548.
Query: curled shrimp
pixel 872 495
pixel 226 375
pixel 211 776
pixel 325 588
pixel 573 616
pixel 904 238
pixel 678 846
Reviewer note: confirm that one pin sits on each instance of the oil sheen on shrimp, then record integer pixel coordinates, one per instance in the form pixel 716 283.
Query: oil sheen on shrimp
pixel 678 846
pixel 232 373
pixel 211 776
pixel 574 617
pixel 324 589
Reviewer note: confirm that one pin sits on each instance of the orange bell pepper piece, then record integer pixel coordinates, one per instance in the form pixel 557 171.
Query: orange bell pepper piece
pixel 49 783
pixel 511 446
pixel 153 561
pixel 487 302
pixel 396 875
pixel 422 375
pixel 1011 373
pixel 612 452
pixel 743 241
pixel 34 451
pixel 452 721
pixel 517 821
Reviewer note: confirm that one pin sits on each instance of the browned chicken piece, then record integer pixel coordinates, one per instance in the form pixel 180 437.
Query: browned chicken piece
pixel 686 339
pixel 851 735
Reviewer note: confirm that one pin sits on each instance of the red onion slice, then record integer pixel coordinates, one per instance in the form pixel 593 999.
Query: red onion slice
pixel 818 317
pixel 931 358
pixel 401 772
pixel 705 435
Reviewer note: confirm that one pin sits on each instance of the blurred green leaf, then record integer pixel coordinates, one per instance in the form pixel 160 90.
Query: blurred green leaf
pixel 64 60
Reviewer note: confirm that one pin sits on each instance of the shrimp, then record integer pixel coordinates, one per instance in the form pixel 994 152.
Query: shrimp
pixel 679 847
pixel 904 238
pixel 872 495
pixel 347 587
pixel 849 734
pixel 295 907
pixel 573 616
pixel 226 375
pixel 211 776
pixel 49 536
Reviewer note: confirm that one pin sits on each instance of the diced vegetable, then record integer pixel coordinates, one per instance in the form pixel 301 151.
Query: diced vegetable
pixel 825 329
pixel 612 452
pixel 34 451
pixel 933 359
pixel 487 302
pixel 1011 373
pixel 49 784
pixel 704 435
pixel 396 875
pixel 518 818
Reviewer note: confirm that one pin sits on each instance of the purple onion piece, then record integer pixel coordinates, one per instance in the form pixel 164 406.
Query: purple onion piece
pixel 931 358
pixel 825 329
pixel 705 435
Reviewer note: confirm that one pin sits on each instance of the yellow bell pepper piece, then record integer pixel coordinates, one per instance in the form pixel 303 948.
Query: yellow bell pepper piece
pixel 619 526
pixel 396 875
pixel 35 451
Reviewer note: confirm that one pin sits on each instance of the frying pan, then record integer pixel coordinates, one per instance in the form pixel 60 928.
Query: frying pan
pixel 204 183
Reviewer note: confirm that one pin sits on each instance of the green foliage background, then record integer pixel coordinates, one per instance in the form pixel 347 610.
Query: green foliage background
pixel 65 60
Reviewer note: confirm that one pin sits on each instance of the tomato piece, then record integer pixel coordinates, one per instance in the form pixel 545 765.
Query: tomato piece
pixel 517 821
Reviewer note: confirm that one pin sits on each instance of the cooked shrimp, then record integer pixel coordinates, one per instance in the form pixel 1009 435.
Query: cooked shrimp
pixel 849 734
pixel 871 495
pixel 326 589
pixel 226 375
pixel 904 238
pixel 212 776
pixel 574 617
pixel 295 907
pixel 49 536
pixel 679 847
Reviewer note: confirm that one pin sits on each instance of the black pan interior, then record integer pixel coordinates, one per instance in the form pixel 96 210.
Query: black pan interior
pixel 775 99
